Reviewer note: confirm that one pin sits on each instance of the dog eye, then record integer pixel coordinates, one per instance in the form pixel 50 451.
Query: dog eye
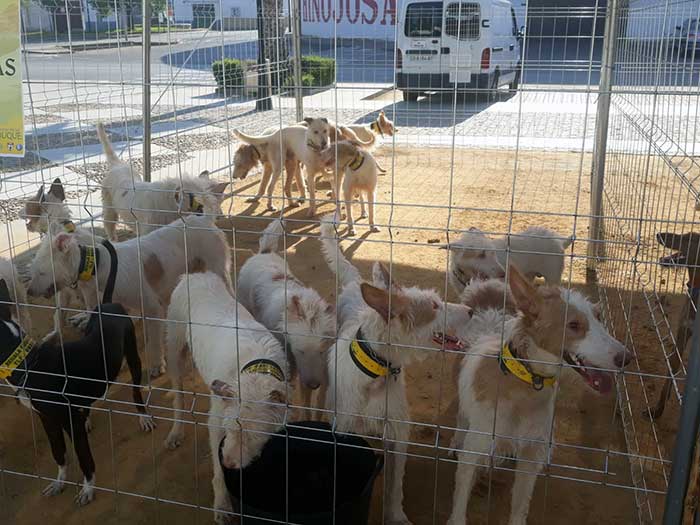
pixel 574 326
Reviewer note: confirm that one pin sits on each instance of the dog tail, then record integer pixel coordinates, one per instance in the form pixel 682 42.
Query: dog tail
pixel 107 145
pixel 112 277
pixel 334 257
pixel 350 135
pixel 269 242
pixel 133 361
pixel 250 139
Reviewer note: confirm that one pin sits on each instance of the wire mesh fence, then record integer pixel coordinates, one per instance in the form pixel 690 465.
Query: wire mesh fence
pixel 471 132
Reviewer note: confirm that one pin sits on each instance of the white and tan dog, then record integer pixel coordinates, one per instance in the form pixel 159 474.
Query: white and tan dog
pixel 380 330
pixel 150 205
pixel 518 371
pixel 357 174
pixel 244 366
pixel 536 252
pixel 294 313
pixel 148 271
pixel 366 135
pixel 44 208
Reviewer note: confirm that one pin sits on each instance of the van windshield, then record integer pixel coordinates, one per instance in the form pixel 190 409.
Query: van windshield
pixel 424 19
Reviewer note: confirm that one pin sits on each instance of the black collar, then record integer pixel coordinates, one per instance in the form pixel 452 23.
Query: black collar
pixel 257 152
pixel 367 360
pixel 89 260
pixel 374 126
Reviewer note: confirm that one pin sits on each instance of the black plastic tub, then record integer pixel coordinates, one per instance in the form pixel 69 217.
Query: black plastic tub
pixel 319 466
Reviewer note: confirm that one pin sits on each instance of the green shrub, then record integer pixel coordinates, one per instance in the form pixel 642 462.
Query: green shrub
pixel 228 73
pixel 320 68
pixel 307 80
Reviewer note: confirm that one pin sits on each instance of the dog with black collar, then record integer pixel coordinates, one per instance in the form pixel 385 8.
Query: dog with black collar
pixel 381 326
pixel 61 382
pixel 244 365
pixel 148 271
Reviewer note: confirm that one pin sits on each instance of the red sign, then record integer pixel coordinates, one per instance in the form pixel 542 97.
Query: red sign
pixel 364 12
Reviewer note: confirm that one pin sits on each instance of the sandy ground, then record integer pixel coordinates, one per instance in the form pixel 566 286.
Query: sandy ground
pixel 589 478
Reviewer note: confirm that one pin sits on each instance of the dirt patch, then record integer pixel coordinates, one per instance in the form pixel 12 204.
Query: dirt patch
pixel 424 195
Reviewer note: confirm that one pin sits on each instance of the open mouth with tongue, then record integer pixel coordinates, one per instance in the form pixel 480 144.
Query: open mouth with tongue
pixel 449 342
pixel 599 380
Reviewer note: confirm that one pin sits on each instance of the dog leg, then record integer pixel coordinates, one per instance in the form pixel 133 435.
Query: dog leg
pixel 396 468
pixel 311 179
pixel 267 171
pixel 177 434
pixel 347 194
pixel 81 445
pixel 290 169
pixel 131 353
pixel 110 215
pixel 154 333
pixel 371 198
pixel 530 463
pixel 301 183
pixel 363 212
pixel 465 477
pixel 222 502
pixel 58 449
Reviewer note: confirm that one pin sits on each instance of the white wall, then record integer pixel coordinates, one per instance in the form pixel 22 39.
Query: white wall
pixel 35 18
pixel 182 9
pixel 349 18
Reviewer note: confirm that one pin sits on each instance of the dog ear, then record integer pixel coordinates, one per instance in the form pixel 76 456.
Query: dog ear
pixel 63 242
pixel 40 197
pixel 385 304
pixel 524 293
pixel 56 190
pixel 308 120
pixel 5 300
pixel 222 389
pixel 218 187
pixel 278 397
pixel 296 309
pixel 204 175
pixel 380 276
pixel 324 119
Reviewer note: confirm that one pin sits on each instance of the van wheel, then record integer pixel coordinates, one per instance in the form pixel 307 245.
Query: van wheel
pixel 513 86
pixel 410 96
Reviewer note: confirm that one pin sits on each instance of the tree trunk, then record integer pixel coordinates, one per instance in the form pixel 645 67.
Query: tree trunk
pixel 276 48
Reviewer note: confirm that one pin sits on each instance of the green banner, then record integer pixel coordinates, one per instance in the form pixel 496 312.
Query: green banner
pixel 11 118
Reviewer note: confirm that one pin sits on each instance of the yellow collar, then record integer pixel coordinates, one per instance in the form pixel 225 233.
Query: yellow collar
pixel 374 126
pixel 510 363
pixel 16 357
pixel 264 366
pixel 87 263
pixel 68 226
pixel 368 361
pixel 357 161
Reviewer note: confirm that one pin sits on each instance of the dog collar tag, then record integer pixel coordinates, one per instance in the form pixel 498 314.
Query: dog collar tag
pixel 16 357
pixel 509 363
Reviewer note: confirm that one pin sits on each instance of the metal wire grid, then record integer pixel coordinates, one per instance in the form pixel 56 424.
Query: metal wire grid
pixel 627 214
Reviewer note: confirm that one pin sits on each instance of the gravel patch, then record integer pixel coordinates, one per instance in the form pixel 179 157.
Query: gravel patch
pixel 41 118
pixel 61 140
pixel 96 171
pixel 187 143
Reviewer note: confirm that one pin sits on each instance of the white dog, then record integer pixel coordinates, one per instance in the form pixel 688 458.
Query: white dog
pixel 295 313
pixel 148 270
pixel 304 142
pixel 358 171
pixel 367 388
pixel 536 252
pixel 45 208
pixel 518 372
pixel 366 135
pixel 149 205
pixel 243 364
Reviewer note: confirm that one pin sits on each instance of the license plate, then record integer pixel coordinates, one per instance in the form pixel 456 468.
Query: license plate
pixel 420 58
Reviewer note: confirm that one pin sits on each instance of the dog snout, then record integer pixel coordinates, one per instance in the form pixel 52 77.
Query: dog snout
pixel 313 385
pixel 324 144
pixel 623 358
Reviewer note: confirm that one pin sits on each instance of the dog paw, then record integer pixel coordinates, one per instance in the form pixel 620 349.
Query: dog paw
pixel 173 441
pixel 363 215
pixel 147 423
pixel 54 488
pixel 294 204
pixel 400 521
pixel 252 199
pixel 222 517
pixel 86 495
pixel 374 229
pixel 301 200
pixel 49 338
pixel 80 321
pixel 351 232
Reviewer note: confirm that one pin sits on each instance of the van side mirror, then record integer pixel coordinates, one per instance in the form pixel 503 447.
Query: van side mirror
pixel 679 28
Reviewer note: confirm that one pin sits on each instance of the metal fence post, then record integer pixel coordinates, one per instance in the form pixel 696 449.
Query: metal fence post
pixel 595 233
pixel 687 435
pixel 296 42
pixel 146 100
pixel 264 101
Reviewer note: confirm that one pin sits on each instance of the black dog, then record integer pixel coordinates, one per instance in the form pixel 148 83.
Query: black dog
pixel 62 383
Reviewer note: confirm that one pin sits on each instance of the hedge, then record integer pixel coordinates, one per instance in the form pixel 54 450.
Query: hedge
pixel 320 69
pixel 228 73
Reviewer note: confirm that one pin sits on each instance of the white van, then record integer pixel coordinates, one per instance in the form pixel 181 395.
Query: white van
pixel 443 45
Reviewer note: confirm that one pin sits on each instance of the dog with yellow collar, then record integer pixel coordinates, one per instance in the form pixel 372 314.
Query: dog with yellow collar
pixel 509 379
pixel 357 173
pixel 60 381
